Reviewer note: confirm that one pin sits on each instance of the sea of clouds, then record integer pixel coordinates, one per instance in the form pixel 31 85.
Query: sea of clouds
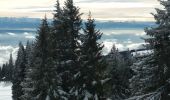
pixel 125 35
pixel 123 41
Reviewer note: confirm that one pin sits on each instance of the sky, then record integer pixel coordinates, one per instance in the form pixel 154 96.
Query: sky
pixel 118 10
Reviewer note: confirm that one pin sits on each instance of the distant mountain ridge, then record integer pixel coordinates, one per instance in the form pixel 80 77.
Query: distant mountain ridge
pixel 24 22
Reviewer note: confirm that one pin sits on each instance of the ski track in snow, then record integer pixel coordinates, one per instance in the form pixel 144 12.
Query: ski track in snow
pixel 5 91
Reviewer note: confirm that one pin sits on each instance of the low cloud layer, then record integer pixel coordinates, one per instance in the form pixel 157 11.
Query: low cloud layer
pixel 5 52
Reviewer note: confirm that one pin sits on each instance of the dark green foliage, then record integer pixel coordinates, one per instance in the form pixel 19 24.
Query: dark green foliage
pixel 19 73
pixel 120 73
pixel 0 73
pixel 159 40
pixel 10 68
pixel 43 72
pixel 7 70
pixel 39 89
pixel 92 71
pixel 27 82
pixel 64 47
pixel 3 72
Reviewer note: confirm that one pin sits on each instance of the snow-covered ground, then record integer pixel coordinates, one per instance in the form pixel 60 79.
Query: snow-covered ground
pixel 5 91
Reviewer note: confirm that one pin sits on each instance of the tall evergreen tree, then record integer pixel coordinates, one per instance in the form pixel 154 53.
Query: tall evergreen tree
pixel 43 75
pixel 72 21
pixel 65 46
pixel 27 82
pixel 19 73
pixel 10 67
pixel 120 73
pixel 92 73
pixel 3 72
pixel 56 49
pixel 0 73
pixel 159 40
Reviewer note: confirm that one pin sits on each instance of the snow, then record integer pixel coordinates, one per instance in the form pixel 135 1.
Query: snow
pixel 87 95
pixel 96 97
pixel 94 83
pixel 105 80
pixel 47 98
pixel 5 91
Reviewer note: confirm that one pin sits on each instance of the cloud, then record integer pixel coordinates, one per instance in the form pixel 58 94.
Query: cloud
pixel 101 9
pixel 30 37
pixel 108 43
pixel 13 34
pixel 5 52
pixel 137 32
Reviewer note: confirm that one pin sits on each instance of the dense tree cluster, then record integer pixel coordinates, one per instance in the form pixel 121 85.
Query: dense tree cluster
pixel 6 71
pixel 65 62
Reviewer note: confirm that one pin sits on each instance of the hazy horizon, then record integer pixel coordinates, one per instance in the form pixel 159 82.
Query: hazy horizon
pixel 116 10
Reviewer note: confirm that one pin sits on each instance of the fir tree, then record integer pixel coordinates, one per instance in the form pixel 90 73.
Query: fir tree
pixel 120 73
pixel 65 46
pixel 27 82
pixel 19 73
pixel 3 72
pixel 160 42
pixel 56 49
pixel 43 75
pixel 10 68
pixel 0 74
pixel 92 73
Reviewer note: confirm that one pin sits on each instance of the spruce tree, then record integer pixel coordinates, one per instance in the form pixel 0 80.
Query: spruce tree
pixel 92 73
pixel 0 73
pixel 19 73
pixel 27 82
pixel 43 75
pixel 11 68
pixel 72 21
pixel 3 72
pixel 57 46
pixel 159 40
pixel 39 89
pixel 65 46
pixel 120 73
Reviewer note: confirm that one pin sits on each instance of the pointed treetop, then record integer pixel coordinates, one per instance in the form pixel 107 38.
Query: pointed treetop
pixel 45 17
pixel 58 3
pixel 113 50
pixel 11 59
pixel 89 16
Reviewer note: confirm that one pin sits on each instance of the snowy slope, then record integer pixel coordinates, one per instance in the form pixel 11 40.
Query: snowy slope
pixel 5 91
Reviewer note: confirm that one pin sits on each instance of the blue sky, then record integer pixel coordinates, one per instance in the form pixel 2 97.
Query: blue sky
pixel 119 10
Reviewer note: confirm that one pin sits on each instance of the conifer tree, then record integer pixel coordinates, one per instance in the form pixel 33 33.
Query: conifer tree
pixel 43 75
pixel 19 73
pixel 27 82
pixel 92 72
pixel 0 74
pixel 3 72
pixel 159 40
pixel 120 73
pixel 72 24
pixel 10 68
pixel 57 48
pixel 39 89
pixel 65 46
